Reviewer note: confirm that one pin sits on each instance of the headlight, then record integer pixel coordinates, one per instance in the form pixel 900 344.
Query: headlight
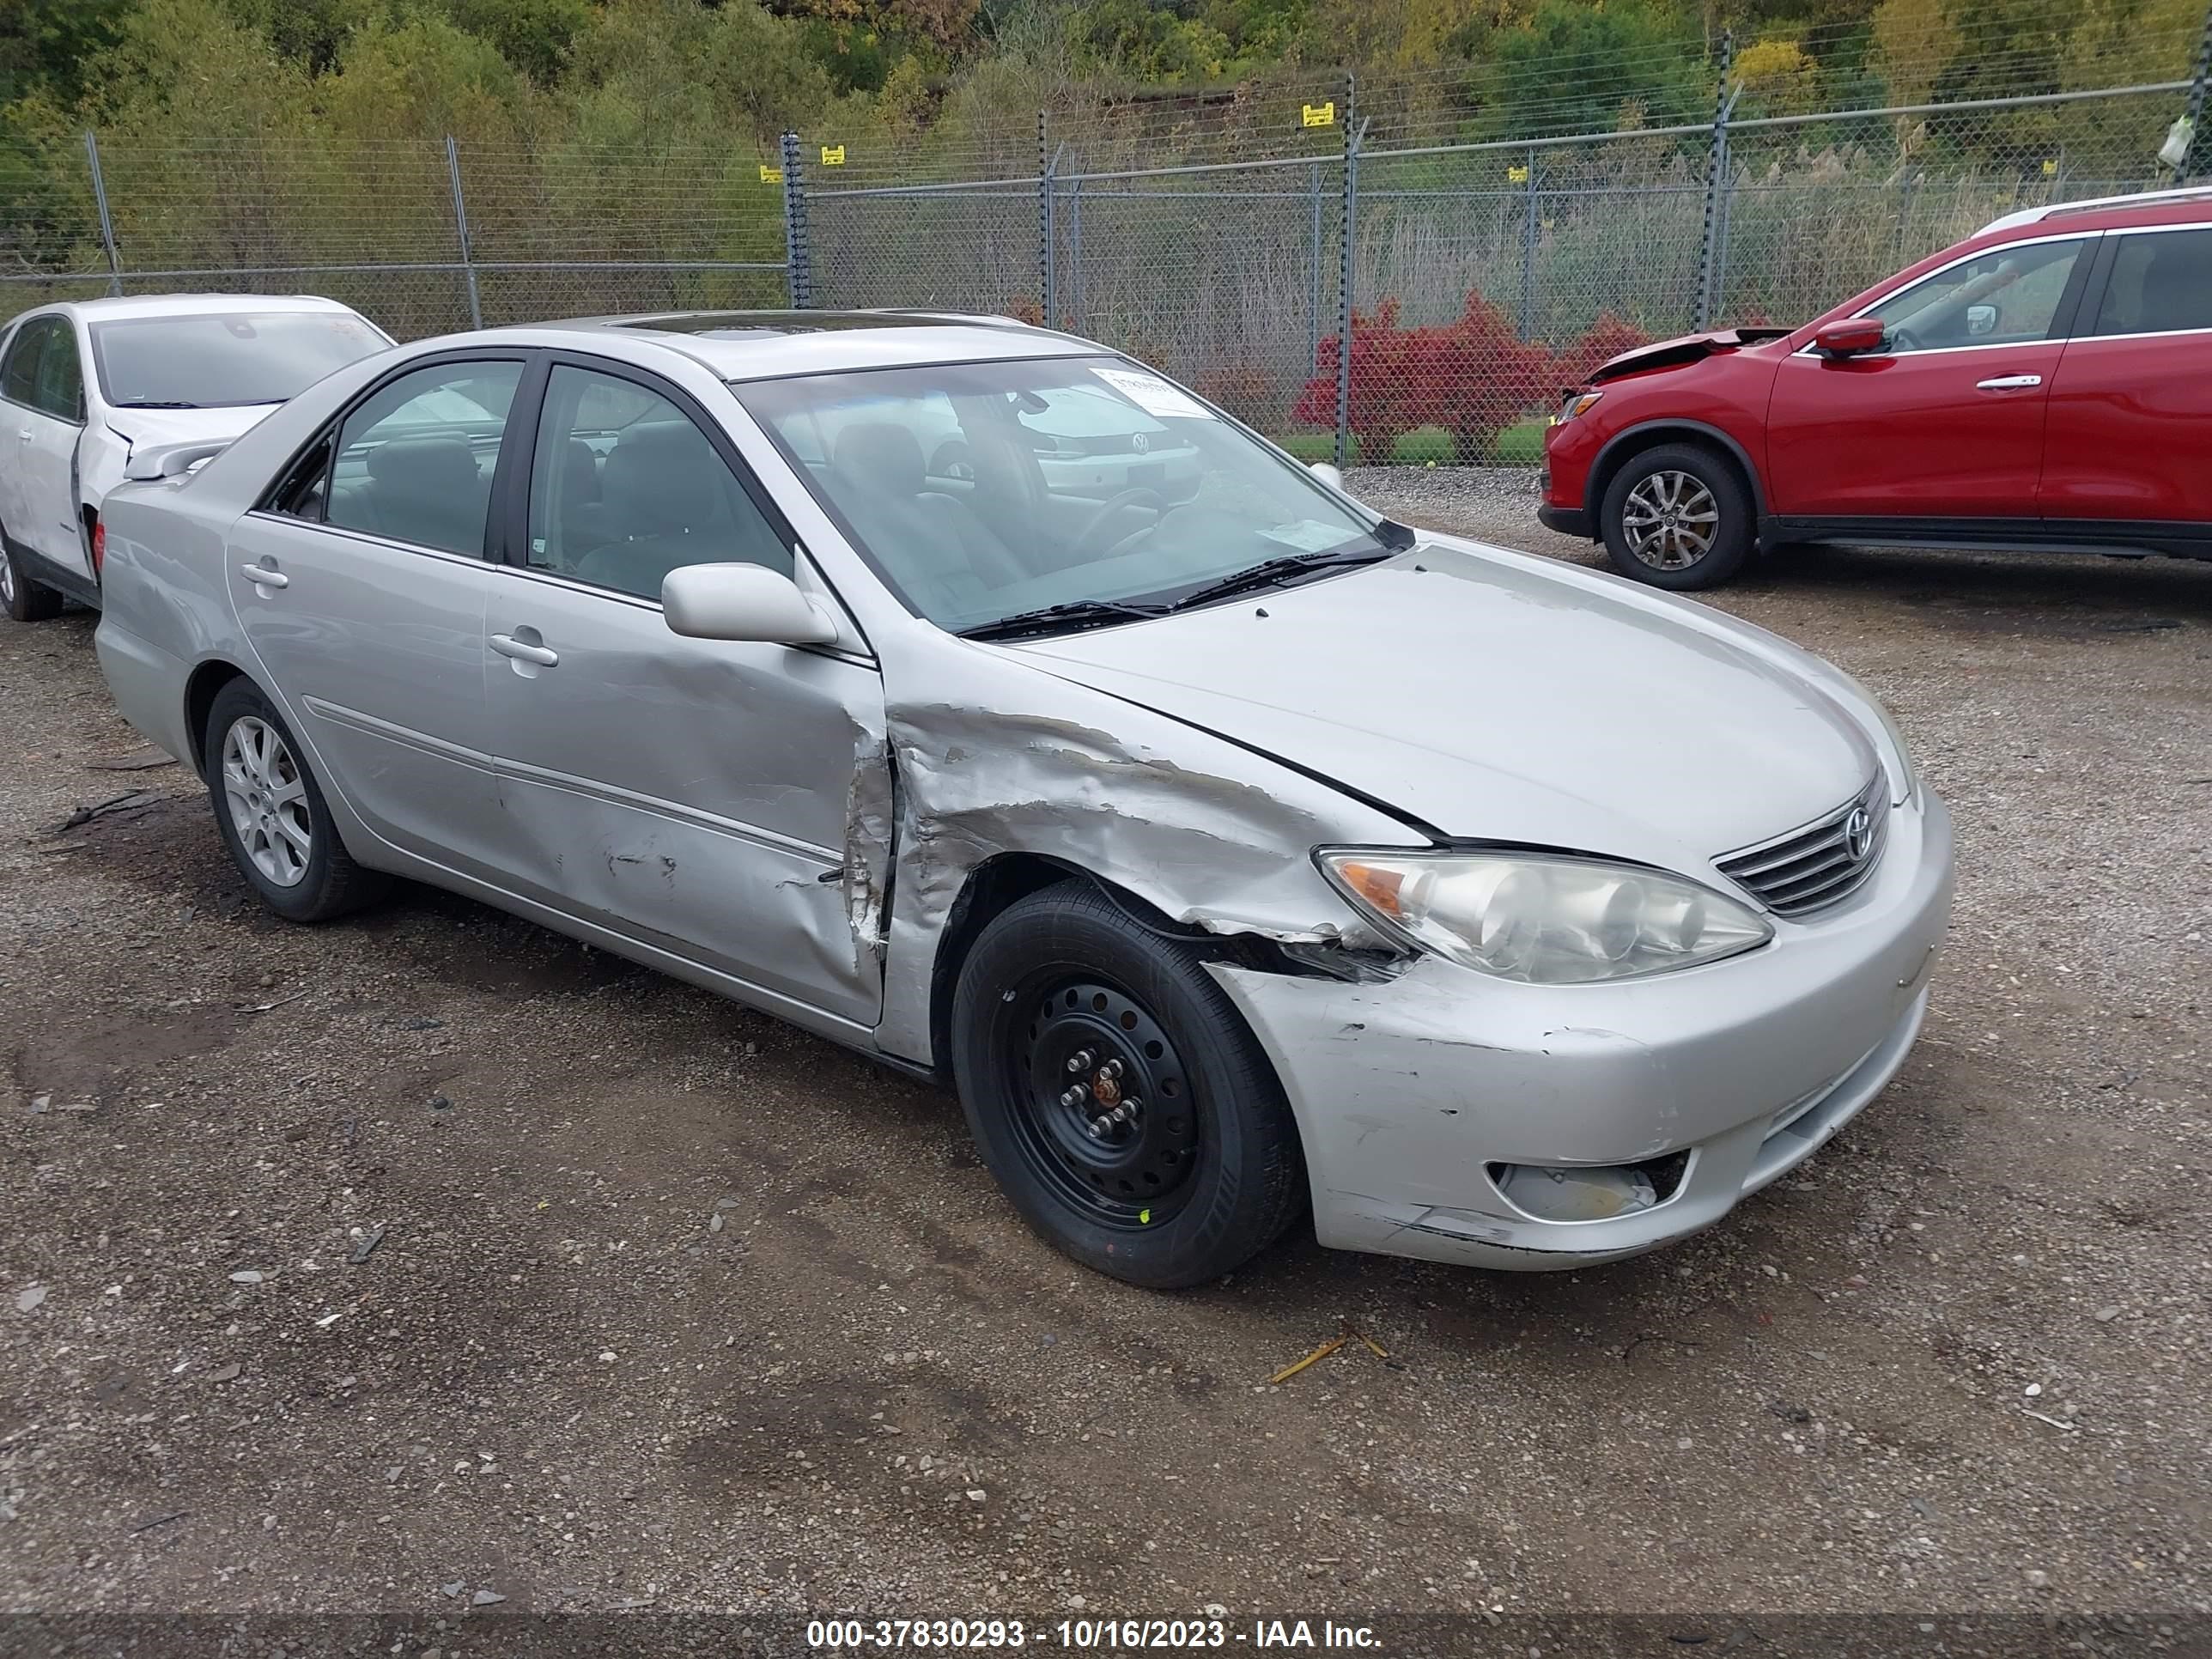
pixel 1577 403
pixel 1545 920
pixel 1904 783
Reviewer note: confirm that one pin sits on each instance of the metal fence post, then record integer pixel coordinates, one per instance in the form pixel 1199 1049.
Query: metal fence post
pixel 798 250
pixel 1075 248
pixel 1528 252
pixel 1044 242
pixel 2196 86
pixel 461 231
pixel 1716 158
pixel 1313 291
pixel 1726 207
pixel 1048 237
pixel 1353 136
pixel 107 224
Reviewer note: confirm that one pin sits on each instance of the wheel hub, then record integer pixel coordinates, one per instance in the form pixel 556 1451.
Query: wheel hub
pixel 1105 1105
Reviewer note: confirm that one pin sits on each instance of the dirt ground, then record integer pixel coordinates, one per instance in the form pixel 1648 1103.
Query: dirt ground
pixel 669 1306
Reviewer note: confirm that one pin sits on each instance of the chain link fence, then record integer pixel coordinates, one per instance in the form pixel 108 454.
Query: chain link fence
pixel 426 237
pixel 1341 267
pixel 1473 280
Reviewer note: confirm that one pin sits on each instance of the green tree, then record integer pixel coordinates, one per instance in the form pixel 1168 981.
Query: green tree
pixel 1574 67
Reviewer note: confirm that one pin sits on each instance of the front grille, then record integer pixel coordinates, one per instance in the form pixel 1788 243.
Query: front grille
pixel 1813 867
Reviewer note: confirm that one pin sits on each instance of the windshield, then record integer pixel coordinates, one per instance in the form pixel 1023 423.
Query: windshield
pixel 225 357
pixel 984 491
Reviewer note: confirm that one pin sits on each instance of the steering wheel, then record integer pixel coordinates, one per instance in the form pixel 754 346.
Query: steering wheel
pixel 1904 339
pixel 1113 505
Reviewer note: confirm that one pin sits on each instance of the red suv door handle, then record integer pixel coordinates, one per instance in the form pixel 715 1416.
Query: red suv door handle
pixel 2008 383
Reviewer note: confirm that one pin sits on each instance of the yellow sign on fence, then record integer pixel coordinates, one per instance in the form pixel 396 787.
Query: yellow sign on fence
pixel 832 156
pixel 771 175
pixel 1317 115
pixel 2050 169
pixel 1516 175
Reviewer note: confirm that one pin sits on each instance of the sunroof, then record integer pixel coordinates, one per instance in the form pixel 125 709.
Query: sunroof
pixel 767 325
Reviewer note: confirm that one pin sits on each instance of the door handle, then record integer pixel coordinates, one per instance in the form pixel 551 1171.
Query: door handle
pixel 507 646
pixel 24 436
pixel 265 575
pixel 2008 383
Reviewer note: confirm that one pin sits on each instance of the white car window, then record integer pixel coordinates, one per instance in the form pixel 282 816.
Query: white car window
pixel 414 462
pixel 225 358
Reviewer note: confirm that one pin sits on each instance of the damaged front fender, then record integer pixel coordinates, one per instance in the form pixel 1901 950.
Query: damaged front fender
pixel 1207 833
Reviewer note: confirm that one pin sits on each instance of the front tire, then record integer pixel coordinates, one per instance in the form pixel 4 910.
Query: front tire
pixel 25 600
pixel 271 814
pixel 1117 1095
pixel 1678 517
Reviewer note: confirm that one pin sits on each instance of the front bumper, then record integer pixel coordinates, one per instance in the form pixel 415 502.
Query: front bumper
pixel 1567 520
pixel 1407 1091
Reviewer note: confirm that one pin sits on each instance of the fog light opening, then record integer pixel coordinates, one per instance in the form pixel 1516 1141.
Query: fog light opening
pixel 1599 1192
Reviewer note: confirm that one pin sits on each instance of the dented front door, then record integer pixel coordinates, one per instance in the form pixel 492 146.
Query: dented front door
pixel 695 795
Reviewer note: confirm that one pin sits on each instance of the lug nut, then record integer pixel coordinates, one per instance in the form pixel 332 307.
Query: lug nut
pixel 1097 1128
pixel 1080 1061
pixel 1112 1068
pixel 1075 1096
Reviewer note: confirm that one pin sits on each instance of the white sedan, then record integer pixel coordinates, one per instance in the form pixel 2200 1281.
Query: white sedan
pixel 164 369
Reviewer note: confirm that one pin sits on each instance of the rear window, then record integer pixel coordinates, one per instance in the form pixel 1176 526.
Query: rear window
pixel 225 358
pixel 2160 282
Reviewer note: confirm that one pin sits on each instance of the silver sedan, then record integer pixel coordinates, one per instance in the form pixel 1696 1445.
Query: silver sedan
pixel 1236 851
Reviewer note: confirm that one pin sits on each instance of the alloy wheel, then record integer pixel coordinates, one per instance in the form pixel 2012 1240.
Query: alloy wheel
pixel 1669 521
pixel 7 577
pixel 267 795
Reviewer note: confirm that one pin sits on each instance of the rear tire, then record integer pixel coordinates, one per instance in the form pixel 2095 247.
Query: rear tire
pixel 1065 994
pixel 1678 517
pixel 271 814
pixel 25 600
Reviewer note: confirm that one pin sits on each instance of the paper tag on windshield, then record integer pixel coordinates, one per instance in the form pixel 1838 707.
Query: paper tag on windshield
pixel 1153 395
pixel 1309 535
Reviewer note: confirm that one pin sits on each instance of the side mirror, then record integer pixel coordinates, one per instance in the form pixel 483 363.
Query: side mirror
pixel 1850 337
pixel 1328 474
pixel 741 602
pixel 1981 319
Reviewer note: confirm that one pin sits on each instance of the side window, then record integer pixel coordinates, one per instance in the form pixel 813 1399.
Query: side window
pixel 414 461
pixel 19 376
pixel 61 379
pixel 2008 296
pixel 624 488
pixel 2159 282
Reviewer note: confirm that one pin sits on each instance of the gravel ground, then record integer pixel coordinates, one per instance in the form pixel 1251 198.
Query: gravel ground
pixel 375 1266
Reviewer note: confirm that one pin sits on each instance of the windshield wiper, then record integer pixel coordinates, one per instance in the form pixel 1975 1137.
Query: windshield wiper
pixel 1075 613
pixel 1270 572
pixel 149 403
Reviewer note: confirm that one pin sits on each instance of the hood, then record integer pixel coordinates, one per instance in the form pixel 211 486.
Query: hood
pixel 1491 695
pixel 1685 348
pixel 139 427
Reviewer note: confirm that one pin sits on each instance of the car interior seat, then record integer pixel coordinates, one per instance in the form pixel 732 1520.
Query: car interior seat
pixel 879 477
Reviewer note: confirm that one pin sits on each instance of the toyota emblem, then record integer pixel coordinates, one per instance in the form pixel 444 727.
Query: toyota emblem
pixel 1858 835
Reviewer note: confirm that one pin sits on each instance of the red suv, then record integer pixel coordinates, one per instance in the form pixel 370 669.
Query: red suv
pixel 2047 383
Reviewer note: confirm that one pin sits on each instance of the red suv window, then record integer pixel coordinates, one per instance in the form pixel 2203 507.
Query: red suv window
pixel 2161 280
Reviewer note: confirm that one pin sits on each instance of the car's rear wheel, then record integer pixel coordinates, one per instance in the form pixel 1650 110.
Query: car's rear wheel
pixel 1117 1095
pixel 272 816
pixel 1678 517
pixel 27 601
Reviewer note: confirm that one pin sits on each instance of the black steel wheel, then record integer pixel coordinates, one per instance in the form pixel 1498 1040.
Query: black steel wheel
pixel 1101 1102
pixel 1117 1095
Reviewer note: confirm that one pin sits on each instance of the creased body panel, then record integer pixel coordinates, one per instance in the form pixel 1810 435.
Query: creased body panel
pixel 995 756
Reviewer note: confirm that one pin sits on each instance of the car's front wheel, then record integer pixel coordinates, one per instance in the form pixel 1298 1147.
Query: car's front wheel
pixel 1678 517
pixel 1117 1095
pixel 271 813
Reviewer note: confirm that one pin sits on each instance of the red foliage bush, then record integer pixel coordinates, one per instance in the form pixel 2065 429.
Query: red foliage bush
pixel 1474 376
pixel 1607 338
